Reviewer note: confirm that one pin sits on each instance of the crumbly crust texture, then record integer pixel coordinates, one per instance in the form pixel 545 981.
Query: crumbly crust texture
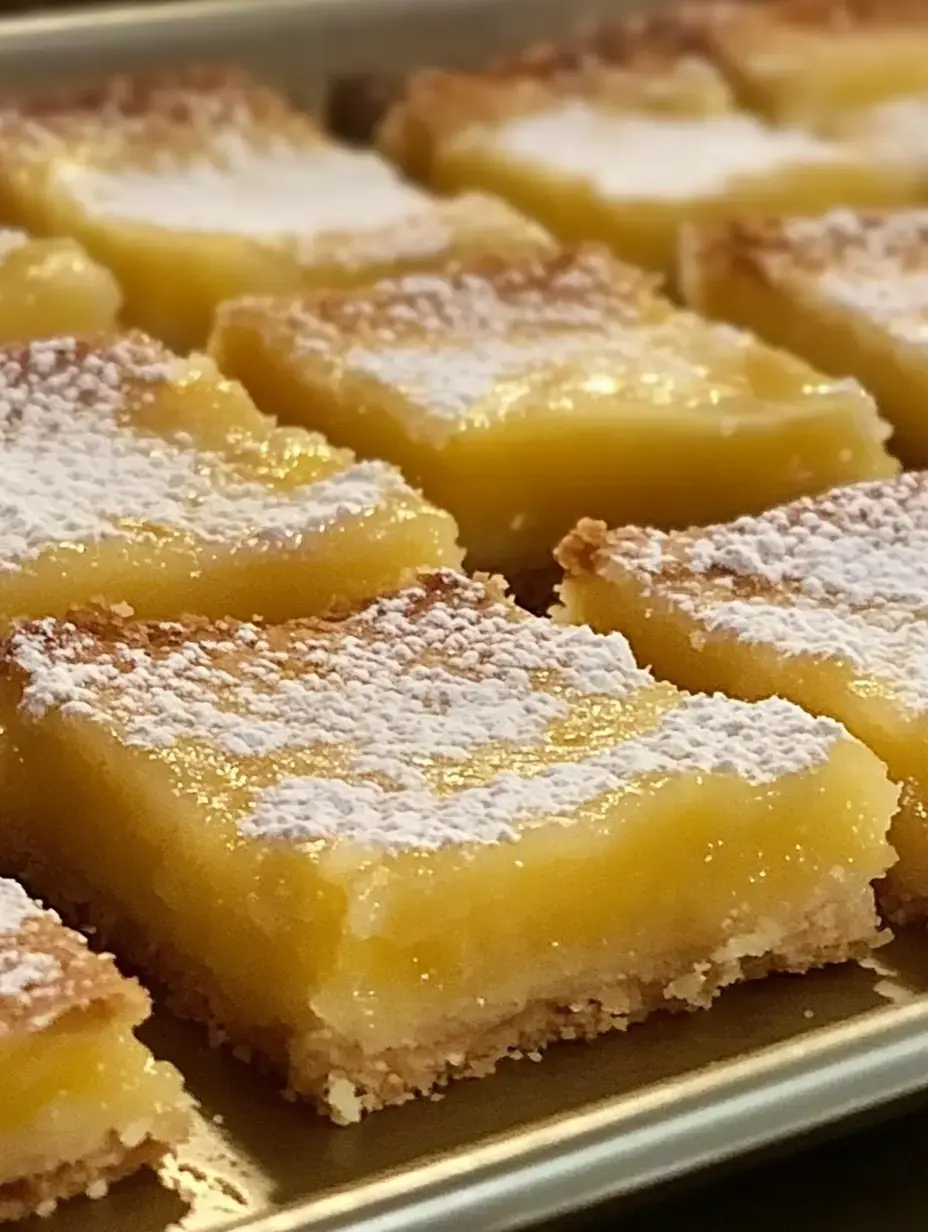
pixel 344 1083
pixel 92 1176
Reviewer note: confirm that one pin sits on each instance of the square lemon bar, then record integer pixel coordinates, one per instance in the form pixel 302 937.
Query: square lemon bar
pixel 130 474
pixel 803 61
pixel 392 848
pixel 848 292
pixel 83 1101
pixel 521 396
pixel 621 140
pixel 51 286
pixel 198 185
pixel 822 601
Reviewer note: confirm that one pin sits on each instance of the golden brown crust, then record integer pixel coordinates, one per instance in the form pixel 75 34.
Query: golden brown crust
pixel 578 551
pixel 179 95
pixel 39 1194
pixel 649 41
pixel 68 978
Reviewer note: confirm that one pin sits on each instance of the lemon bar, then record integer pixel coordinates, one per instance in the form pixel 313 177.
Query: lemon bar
pixel 51 286
pixel 821 601
pixel 805 60
pixel 521 396
pixel 133 475
pixel 198 185
pixel 343 843
pixel 622 144
pixel 848 292
pixel 84 1102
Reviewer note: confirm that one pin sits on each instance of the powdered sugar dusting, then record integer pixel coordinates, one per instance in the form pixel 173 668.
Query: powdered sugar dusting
pixel 893 131
pixel 266 191
pixel 75 472
pixel 399 687
pixel 843 576
pixel 22 970
pixel 468 344
pixel 873 264
pixel 410 688
pixel 628 156
pixel 11 241
pixel 703 735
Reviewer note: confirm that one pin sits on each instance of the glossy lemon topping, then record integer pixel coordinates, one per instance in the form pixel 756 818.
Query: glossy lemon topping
pixel 441 716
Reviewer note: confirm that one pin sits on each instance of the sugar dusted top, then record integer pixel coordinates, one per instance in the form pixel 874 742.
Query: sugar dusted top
pixel 83 459
pixel 873 264
pixel 11 241
pixel 439 715
pixel 626 157
pixel 46 970
pixel 209 151
pixel 646 62
pixel 842 576
pixel 492 339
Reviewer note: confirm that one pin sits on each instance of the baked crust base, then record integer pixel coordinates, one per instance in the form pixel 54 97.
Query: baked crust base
pixel 40 1194
pixel 343 1081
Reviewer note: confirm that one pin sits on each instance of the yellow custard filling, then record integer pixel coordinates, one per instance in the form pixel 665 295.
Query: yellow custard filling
pixel 67 1088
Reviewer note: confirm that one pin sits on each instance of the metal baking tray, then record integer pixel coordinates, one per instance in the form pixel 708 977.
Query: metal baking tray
pixel 770 1060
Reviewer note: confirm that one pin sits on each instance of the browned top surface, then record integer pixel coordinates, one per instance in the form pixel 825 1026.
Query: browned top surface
pixel 574 287
pixel 47 971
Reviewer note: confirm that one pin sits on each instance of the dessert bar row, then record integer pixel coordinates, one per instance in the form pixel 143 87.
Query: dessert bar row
pixel 199 185
pixel 340 841
pixel 336 833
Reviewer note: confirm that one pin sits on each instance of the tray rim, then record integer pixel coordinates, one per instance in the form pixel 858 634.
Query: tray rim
pixel 623 1144
pixel 620 1144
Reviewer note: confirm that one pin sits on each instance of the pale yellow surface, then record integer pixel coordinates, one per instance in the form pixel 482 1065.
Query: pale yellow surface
pixel 66 1089
pixel 648 154
pixel 198 186
pixel 50 287
pixel 170 569
pixel 682 649
pixel 654 398
pixel 800 62
pixel 787 302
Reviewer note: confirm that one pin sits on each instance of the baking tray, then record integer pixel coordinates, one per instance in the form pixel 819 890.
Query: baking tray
pixel 773 1059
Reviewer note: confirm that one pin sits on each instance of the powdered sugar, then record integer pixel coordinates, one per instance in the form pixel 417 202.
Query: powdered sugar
pixel 75 472
pixel 630 156
pixel 21 969
pixel 15 907
pixel 893 131
pixel 11 241
pixel 843 577
pixel 873 264
pixel 703 735
pixel 267 191
pixel 558 332
pixel 399 699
